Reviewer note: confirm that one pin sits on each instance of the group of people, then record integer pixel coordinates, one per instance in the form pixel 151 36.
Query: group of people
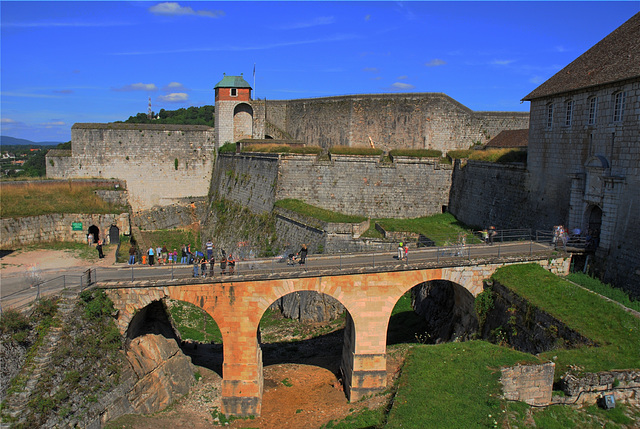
pixel 187 256
pixel 488 234
pixel 300 257
pixel 403 251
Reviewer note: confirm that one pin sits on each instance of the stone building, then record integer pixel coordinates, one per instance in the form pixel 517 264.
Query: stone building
pixel 584 150
pixel 415 120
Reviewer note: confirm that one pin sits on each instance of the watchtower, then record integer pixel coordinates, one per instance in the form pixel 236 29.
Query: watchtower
pixel 234 113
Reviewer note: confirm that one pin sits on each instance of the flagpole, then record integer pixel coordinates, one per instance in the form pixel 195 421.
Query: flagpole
pixel 254 81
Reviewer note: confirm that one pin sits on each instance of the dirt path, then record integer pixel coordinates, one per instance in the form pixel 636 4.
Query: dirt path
pixel 295 396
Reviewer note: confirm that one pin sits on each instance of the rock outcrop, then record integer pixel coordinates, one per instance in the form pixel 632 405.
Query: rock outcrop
pixel 158 373
pixel 309 306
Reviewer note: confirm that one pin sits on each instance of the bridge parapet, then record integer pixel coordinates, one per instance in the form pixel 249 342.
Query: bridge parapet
pixel 369 294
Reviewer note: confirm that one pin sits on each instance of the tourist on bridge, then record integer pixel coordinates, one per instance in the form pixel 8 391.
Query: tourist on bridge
pixel 492 234
pixel 203 267
pixel 485 236
pixel 195 267
pixel 132 254
pixel 210 247
pixel 151 254
pixel 223 263
pixel 232 264
pixel 400 251
pixel 303 254
pixel 99 249
pixel 211 264
pixel 183 254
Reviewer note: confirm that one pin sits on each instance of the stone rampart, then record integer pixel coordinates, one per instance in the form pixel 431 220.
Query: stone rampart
pixel 172 216
pixel 58 227
pixel 414 120
pixel 159 163
pixel 487 193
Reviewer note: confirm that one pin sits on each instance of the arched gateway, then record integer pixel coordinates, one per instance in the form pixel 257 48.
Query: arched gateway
pixel 238 306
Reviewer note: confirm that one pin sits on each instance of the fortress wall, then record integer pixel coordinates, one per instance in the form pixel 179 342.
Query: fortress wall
pixel 356 185
pixel 276 113
pixel 429 120
pixel 249 180
pixel 361 185
pixel 57 227
pixel 486 193
pixel 144 156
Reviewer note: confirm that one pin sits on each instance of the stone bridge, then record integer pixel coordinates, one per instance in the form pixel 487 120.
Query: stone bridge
pixel 369 295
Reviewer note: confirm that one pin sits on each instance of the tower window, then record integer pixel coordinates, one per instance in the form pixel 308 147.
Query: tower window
pixel 549 115
pixel 569 116
pixel 234 92
pixel 593 110
pixel 618 106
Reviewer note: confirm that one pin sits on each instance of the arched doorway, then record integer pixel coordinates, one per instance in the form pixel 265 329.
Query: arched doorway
pixel 94 232
pixel 242 122
pixel 594 225
pixel 114 234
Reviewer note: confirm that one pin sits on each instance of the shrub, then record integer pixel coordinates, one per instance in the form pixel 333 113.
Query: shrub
pixel 228 147
pixel 416 153
pixel 348 150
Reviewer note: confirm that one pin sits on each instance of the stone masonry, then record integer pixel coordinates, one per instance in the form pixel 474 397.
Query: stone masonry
pixel 237 306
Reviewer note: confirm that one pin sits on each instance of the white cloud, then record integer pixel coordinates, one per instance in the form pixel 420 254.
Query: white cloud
pixel 403 77
pixel 367 17
pixel 53 124
pixel 136 87
pixel 174 97
pixel 502 62
pixel 174 87
pixel 8 121
pixel 371 70
pixel 435 63
pixel 400 86
pixel 174 9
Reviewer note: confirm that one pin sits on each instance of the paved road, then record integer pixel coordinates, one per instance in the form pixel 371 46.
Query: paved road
pixel 14 292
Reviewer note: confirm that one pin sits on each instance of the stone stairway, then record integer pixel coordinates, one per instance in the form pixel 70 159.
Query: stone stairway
pixel 16 403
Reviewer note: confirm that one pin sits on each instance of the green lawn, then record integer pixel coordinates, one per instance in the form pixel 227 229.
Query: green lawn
pixel 34 199
pixel 615 331
pixel 316 212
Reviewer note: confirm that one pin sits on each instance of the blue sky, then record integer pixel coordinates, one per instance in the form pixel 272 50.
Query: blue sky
pixel 68 62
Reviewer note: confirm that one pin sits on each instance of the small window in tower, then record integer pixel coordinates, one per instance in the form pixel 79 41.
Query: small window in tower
pixel 234 92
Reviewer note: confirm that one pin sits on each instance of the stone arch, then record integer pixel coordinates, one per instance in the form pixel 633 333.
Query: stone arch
pixel 151 319
pixel 242 122
pixel 93 229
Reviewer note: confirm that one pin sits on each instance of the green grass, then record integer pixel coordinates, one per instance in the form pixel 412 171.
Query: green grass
pixel 228 147
pixel 34 199
pixel 365 418
pixel 282 148
pixel 347 150
pixel 416 153
pixel 441 228
pixel 616 332
pixel 316 212
pixel 604 289
pixel 453 385
pixel 193 323
pixel 519 415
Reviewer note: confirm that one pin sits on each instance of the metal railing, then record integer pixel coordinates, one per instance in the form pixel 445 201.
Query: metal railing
pixel 458 251
pixel 50 287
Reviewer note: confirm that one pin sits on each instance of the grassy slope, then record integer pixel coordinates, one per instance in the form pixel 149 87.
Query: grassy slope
pixel 616 331
pixel 34 199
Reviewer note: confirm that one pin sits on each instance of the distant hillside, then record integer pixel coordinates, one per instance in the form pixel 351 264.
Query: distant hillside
pixel 6 140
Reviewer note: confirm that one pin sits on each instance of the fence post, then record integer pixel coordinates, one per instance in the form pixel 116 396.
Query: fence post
pixel 341 261
pixel 172 272
pixel 132 273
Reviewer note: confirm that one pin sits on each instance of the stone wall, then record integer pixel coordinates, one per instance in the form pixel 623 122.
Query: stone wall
pixel 159 163
pixel 532 384
pixel 414 120
pixel 247 179
pixel 585 164
pixel 57 227
pixel 172 216
pixel 487 193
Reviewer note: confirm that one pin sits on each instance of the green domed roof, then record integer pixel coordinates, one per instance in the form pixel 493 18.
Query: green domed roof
pixel 232 82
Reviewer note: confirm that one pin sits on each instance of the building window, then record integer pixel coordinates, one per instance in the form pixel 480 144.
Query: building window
pixel 567 120
pixel 593 110
pixel 234 92
pixel 618 106
pixel 549 115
